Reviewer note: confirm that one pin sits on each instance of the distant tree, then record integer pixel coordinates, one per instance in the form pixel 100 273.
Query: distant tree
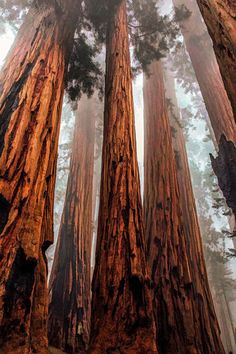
pixel 219 16
pixel 69 308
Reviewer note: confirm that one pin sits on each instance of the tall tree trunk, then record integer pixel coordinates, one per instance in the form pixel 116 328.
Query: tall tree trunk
pixel 30 106
pixel 69 308
pixel 208 323
pixel 218 106
pixel 219 16
pixel 184 312
pixel 121 307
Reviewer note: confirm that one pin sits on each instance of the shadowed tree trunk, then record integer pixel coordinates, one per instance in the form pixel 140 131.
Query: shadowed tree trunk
pixel 69 308
pixel 31 94
pixel 122 319
pixel 185 316
pixel 219 16
pixel 218 106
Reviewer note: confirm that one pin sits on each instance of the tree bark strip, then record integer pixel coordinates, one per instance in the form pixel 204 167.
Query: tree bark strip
pixel 69 308
pixel 207 319
pixel 219 16
pixel 122 318
pixel 32 84
pixel 184 312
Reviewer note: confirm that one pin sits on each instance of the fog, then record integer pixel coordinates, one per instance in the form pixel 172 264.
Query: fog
pixel 218 235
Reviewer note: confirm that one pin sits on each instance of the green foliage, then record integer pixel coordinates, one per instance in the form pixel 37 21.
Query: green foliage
pixel 84 73
pixel 151 34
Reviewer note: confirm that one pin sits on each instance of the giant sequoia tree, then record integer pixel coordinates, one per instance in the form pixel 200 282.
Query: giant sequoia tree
pixel 32 83
pixel 122 316
pixel 69 308
pixel 184 312
pixel 219 16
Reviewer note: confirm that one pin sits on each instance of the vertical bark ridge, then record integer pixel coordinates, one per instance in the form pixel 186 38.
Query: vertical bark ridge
pixel 32 84
pixel 181 316
pixel 69 309
pixel 122 319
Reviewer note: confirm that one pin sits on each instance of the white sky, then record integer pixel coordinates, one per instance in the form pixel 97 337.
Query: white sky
pixel 6 41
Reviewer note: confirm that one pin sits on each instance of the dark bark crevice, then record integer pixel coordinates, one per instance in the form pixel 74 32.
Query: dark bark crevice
pixel 4 212
pixel 11 103
pixel 18 294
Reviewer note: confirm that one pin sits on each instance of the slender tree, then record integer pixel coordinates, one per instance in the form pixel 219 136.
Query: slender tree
pixel 122 316
pixel 219 16
pixel 185 316
pixel 32 84
pixel 69 308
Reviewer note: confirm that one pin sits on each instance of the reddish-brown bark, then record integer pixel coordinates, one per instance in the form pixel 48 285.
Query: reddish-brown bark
pixel 204 303
pixel 122 319
pixel 31 94
pixel 219 16
pixel 69 308
pixel 184 312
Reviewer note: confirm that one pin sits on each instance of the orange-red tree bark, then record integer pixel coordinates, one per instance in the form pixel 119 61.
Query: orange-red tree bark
pixel 185 316
pixel 122 319
pixel 218 106
pixel 31 94
pixel 219 16
pixel 69 308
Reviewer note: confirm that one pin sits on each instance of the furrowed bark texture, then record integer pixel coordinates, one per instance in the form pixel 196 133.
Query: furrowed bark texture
pixel 218 106
pixel 181 315
pixel 207 321
pixel 69 308
pixel 122 319
pixel 31 91
pixel 220 18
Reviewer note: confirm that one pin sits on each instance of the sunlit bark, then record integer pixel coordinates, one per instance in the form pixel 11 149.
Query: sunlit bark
pixel 31 94
pixel 185 316
pixel 122 318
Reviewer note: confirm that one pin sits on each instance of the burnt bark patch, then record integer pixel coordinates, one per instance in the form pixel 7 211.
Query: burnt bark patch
pixel 11 103
pixel 18 294
pixel 4 212
pixel 224 166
